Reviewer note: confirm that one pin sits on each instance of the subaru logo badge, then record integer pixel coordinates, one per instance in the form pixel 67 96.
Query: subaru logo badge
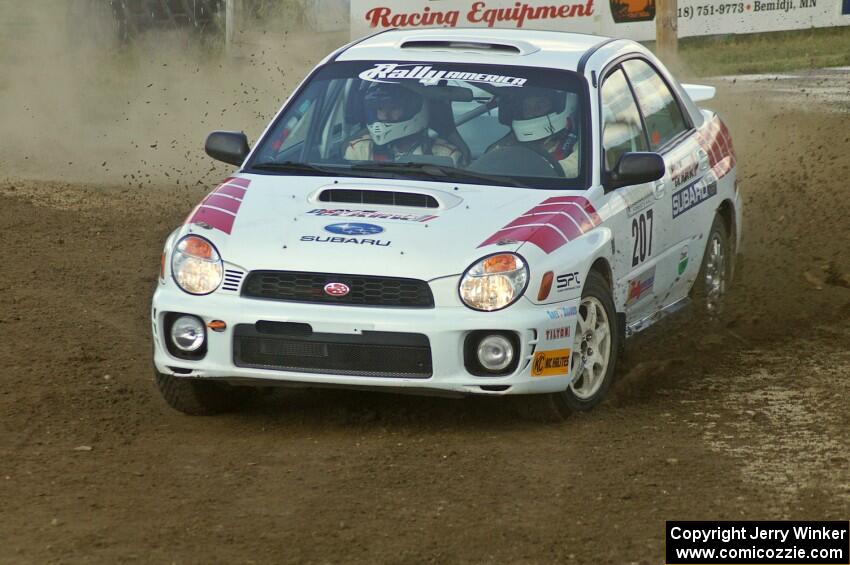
pixel 353 228
pixel 336 289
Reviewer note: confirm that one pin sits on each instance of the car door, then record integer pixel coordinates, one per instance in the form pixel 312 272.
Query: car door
pixel 638 241
pixel 671 134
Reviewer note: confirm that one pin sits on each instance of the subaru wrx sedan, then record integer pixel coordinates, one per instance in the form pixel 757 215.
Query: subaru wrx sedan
pixel 455 212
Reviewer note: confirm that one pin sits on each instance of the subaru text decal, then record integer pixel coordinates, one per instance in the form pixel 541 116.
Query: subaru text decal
pixel 691 196
pixel 341 239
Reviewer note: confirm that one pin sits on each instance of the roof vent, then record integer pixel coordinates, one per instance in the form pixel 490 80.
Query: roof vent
pixel 483 45
pixel 378 197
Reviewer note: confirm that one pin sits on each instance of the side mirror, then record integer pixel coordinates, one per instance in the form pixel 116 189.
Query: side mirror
pixel 635 168
pixel 228 146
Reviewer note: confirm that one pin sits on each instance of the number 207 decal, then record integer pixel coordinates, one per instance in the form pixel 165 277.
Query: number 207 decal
pixel 642 236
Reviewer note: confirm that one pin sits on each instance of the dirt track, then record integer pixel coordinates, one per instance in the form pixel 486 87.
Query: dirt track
pixel 748 420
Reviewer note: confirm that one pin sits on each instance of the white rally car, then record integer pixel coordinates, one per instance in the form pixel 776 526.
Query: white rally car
pixel 451 211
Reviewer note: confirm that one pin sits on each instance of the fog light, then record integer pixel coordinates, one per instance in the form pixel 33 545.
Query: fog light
pixel 187 333
pixel 495 352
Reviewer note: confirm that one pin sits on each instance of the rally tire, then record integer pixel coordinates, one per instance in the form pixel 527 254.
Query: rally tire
pixel 715 272
pixel 199 397
pixel 582 396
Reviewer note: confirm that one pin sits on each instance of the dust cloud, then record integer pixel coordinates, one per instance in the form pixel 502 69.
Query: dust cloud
pixel 79 106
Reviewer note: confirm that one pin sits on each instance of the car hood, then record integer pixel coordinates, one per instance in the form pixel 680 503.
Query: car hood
pixel 317 224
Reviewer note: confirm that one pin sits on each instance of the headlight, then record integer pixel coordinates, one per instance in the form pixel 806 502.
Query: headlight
pixel 196 265
pixel 494 282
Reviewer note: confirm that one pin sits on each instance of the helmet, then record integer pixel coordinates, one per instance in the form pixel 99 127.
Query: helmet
pixel 536 113
pixel 393 112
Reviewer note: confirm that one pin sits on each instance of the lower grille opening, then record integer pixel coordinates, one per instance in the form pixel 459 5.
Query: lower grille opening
pixel 494 388
pixel 370 354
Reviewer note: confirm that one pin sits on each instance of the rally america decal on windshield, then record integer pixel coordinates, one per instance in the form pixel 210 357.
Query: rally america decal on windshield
pixel 426 74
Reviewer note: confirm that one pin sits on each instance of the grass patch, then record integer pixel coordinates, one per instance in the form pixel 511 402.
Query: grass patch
pixel 764 52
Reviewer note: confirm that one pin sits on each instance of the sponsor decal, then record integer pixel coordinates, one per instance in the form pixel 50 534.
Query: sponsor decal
pixel 557 333
pixel 714 138
pixel 350 228
pixel 370 214
pixel 638 199
pixel 627 11
pixel 682 266
pixel 336 289
pixel 478 14
pixel 340 239
pixel 692 196
pixel 683 171
pixel 550 224
pixel 218 210
pixel 562 312
pixel 568 281
pixel 640 286
pixel 426 74
pixel 550 363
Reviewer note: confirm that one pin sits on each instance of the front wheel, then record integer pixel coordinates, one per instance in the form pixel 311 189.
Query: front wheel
pixel 593 358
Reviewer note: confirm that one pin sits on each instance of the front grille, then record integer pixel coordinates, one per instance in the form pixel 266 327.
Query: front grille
pixel 365 290
pixel 232 278
pixel 370 354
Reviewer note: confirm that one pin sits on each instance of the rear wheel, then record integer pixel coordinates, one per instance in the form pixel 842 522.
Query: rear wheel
pixel 200 397
pixel 715 272
pixel 593 358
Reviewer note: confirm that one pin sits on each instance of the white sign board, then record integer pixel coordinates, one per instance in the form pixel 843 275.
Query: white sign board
pixel 633 19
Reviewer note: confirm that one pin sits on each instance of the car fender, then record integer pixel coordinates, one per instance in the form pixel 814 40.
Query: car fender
pixel 569 265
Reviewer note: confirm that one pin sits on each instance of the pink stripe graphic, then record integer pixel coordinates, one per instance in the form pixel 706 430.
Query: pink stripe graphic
pixel 217 210
pixel 214 218
pixel 715 140
pixel 244 183
pixel 550 224
pixel 233 191
pixel 223 202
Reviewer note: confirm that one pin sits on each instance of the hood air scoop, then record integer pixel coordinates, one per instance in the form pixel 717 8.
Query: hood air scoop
pixel 389 195
pixel 382 197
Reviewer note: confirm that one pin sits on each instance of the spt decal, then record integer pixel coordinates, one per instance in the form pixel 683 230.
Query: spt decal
pixel 568 281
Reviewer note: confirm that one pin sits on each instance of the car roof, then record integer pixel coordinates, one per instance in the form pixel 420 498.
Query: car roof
pixel 550 49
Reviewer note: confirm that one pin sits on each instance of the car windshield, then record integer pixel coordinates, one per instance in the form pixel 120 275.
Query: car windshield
pixel 446 122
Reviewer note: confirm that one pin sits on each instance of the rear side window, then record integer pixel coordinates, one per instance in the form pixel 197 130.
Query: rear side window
pixel 622 131
pixel 664 119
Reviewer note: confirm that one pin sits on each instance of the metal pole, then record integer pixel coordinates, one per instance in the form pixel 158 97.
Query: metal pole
pixel 666 27
pixel 232 23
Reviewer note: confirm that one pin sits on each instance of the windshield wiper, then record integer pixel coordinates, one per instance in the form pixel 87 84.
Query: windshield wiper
pixel 294 167
pixel 440 171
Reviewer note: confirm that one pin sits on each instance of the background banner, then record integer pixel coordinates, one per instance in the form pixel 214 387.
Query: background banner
pixel 633 19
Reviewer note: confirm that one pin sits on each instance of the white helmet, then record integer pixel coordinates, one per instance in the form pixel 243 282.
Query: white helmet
pixel 537 113
pixel 394 112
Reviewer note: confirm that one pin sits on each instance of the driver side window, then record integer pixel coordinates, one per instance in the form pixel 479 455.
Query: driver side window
pixel 622 131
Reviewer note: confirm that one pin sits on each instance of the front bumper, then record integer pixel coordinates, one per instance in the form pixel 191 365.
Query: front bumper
pixel 445 327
